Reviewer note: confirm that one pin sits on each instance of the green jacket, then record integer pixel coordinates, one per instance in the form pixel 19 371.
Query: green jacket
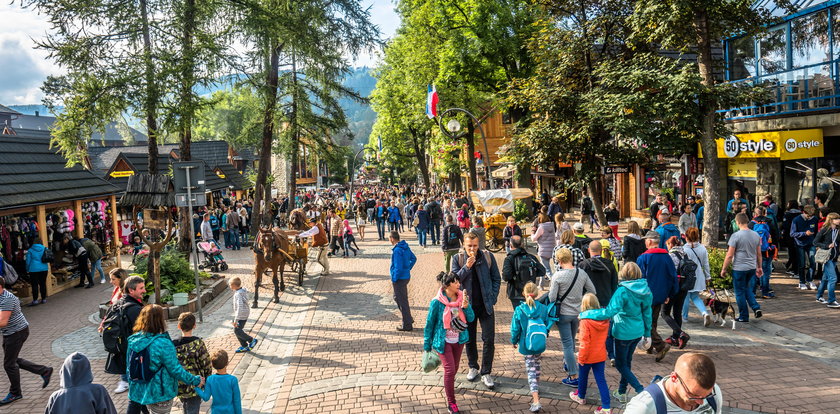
pixel 434 334
pixel 168 371
pixel 194 357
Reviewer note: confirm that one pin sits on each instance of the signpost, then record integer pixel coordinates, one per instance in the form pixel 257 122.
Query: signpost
pixel 189 177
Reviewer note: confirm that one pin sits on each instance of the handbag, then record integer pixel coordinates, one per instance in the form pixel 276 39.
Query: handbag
pixel 430 361
pixel 822 255
pixel 552 306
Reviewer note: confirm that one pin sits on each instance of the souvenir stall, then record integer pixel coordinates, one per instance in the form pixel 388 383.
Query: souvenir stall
pixel 42 199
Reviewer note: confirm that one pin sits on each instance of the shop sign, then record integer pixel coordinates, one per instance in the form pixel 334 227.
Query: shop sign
pixel 616 169
pixel 784 145
pixel 120 174
pixel 220 174
pixel 742 168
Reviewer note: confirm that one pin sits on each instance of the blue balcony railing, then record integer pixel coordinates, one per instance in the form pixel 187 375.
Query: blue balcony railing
pixel 806 89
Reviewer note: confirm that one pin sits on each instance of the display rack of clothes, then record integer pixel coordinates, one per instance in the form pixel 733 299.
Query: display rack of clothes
pixel 98 224
pixel 15 232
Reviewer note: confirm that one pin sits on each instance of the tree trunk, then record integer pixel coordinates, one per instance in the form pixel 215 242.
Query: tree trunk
pixel 270 93
pixel 185 124
pixel 471 155
pixel 420 156
pixel 711 185
pixel 523 180
pixel 151 89
pixel 295 132
pixel 595 187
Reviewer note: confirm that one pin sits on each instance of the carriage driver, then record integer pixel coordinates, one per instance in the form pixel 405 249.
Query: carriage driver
pixel 319 240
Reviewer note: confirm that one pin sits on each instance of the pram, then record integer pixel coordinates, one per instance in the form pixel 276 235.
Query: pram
pixel 213 258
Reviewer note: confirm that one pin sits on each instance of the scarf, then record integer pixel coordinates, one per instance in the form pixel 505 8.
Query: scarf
pixel 447 313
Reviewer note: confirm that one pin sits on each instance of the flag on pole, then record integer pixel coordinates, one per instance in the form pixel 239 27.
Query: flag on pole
pixel 432 102
pixel 378 153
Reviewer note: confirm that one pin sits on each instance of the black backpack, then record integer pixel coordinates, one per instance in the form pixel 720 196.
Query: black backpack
pixel 48 256
pixel 686 272
pixel 528 269
pixel 115 329
pixel 452 235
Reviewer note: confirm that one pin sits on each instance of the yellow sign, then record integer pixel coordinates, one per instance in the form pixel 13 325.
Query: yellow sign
pixel 742 168
pixel 220 174
pixel 118 174
pixel 784 145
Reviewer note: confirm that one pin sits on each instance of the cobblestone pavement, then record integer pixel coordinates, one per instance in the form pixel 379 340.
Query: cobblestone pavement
pixel 331 346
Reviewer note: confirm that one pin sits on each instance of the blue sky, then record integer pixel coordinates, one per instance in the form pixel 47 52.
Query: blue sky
pixel 23 69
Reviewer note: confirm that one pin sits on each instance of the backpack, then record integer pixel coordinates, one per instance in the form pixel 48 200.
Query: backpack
pixel 536 334
pixel 686 272
pixel 140 367
pixel 763 231
pixel 528 269
pixel 659 399
pixel 115 329
pixel 214 221
pixel 435 212
pixel 48 256
pixel 586 207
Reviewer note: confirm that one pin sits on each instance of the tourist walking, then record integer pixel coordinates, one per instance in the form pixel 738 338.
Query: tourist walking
pixel 510 230
pixel 633 245
pixel 544 238
pixel 78 394
pixel 402 261
pixel 126 302
pixel 519 269
pixel 592 355
pixel 803 229
pixel 696 252
pixel 672 310
pixel 827 239
pixel 452 238
pixel 661 276
pixel 744 254
pixel 194 357
pixel 37 269
pixel 241 312
pixel 529 329
pixel 222 387
pixel 421 217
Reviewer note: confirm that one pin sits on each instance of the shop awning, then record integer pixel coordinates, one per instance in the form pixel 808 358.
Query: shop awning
pixel 32 174
pixel 505 172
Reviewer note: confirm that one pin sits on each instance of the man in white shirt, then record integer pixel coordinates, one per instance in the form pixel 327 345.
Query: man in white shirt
pixel 690 388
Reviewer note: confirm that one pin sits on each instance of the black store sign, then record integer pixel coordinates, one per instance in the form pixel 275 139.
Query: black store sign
pixel 616 169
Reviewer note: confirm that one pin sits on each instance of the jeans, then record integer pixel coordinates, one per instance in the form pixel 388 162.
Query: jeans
pixel 807 265
pixel 434 231
pixel 234 237
pixel 829 281
pixel 672 313
pixel 97 267
pixel 393 226
pixel 380 228
pixel 767 267
pixel 349 241
pixel 743 281
pixel 244 236
pixel 192 405
pixel 450 358
pixel 244 339
pixel 623 363
pixel 12 345
pixel 228 241
pixel 598 372
pixel 421 236
pixel 39 284
pixel 694 297
pixel 568 326
pixel 488 339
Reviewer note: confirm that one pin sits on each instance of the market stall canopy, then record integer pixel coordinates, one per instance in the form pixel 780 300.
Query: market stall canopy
pixel 498 201
pixel 32 174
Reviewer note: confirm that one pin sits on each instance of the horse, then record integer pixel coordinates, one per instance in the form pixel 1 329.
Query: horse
pixel 297 220
pixel 270 252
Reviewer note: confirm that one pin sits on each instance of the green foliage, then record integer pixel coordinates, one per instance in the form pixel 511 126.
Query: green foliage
pixel 716 258
pixel 520 210
pixel 176 272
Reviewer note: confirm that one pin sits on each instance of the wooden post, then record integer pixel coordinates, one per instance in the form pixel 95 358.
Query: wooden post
pixel 80 219
pixel 41 217
pixel 116 229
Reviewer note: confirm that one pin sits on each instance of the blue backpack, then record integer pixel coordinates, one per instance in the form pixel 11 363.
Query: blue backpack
pixel 536 334
pixel 659 398
pixel 140 367
pixel 763 231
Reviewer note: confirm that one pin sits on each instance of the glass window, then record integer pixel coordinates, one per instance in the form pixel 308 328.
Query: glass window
pixel 809 39
pixel 773 48
pixel 741 58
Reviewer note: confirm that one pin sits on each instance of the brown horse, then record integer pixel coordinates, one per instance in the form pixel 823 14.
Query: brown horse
pixel 271 252
pixel 297 220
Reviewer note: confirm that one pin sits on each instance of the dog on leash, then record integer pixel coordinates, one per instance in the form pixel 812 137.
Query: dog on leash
pixel 720 310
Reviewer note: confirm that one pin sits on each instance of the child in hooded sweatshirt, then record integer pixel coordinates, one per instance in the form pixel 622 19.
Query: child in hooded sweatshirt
pixel 78 393
pixel 592 354
pixel 525 314
pixel 222 387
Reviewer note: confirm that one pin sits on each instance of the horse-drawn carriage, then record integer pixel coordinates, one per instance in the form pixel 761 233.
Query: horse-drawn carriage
pixel 494 203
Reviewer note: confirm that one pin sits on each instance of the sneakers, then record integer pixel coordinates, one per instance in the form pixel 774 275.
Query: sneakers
pixel 46 377
pixel 574 396
pixel 10 398
pixel 121 387
pixel 101 281
pixel 833 305
pixel 242 349
pixel 603 410
pixel 572 382
pixel 661 354
pixel 536 407
pixel 252 344
pixel 742 320
pixel 821 300
pixel 758 313
pixel 802 286
pixel 622 398
pixel 683 340
pixel 812 286
pixel 453 408
pixel 671 341
pixel 488 381
pixel 472 375
pixel 707 320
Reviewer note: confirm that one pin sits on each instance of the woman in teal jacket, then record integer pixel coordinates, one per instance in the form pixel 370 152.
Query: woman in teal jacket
pixel 522 315
pixel 37 270
pixel 446 330
pixel 630 310
pixel 157 393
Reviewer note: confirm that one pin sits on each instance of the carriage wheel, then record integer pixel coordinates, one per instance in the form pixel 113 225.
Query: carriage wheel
pixel 495 240
pixel 301 265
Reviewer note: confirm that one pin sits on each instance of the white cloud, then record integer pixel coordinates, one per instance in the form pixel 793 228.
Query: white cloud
pixel 382 14
pixel 23 67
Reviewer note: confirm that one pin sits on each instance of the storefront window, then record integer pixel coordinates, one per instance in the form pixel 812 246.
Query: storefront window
pixel 741 58
pixel 773 47
pixel 809 39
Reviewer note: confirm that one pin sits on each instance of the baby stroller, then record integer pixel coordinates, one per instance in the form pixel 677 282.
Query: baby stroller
pixel 213 258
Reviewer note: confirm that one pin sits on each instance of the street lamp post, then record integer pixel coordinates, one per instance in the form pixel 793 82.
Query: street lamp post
pixel 452 131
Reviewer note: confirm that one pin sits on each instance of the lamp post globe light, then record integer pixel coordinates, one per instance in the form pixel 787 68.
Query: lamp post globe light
pixel 453 131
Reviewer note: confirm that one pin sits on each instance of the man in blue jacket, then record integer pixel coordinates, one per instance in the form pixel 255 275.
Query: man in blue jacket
pixel 667 229
pixel 803 229
pixel 402 260
pixel 479 275
pixel 661 274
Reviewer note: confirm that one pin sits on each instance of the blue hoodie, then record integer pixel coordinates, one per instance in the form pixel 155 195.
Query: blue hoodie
pixel 33 259
pixel 799 226
pixel 402 260
pixel 168 371
pixel 394 215
pixel 630 310
pixel 519 323
pixel 661 274
pixel 665 232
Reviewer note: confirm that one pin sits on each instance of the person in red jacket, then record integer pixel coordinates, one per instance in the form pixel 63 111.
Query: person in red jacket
pixel 592 354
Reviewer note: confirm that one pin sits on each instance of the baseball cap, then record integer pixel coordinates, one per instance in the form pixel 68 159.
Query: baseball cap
pixel 578 226
pixel 651 235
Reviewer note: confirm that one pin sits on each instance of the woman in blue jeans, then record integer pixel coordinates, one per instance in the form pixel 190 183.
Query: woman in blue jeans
pixel 630 311
pixel 567 288
pixel 827 239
